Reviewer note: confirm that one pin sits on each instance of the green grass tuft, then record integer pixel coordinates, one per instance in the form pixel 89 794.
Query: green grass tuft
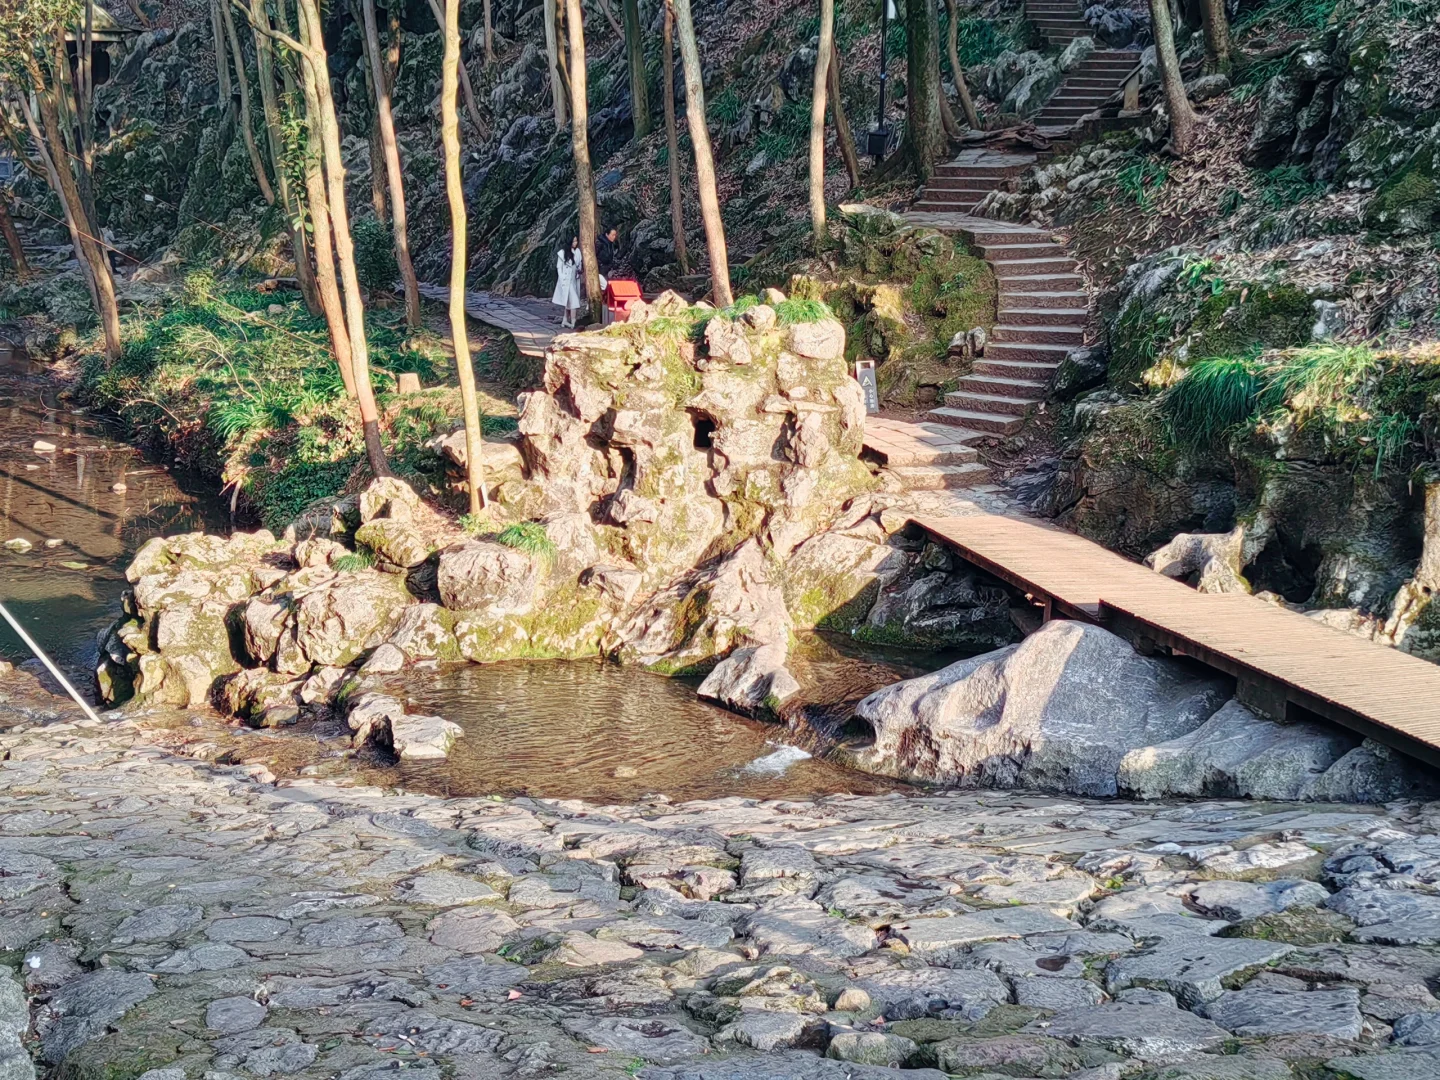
pixel 1215 396
pixel 793 311
pixel 529 537
pixel 361 559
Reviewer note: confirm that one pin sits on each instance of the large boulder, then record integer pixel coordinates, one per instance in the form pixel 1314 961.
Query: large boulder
pixel 488 577
pixel 1059 710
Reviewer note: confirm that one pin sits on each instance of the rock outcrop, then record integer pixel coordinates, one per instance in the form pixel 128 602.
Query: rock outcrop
pixel 1074 708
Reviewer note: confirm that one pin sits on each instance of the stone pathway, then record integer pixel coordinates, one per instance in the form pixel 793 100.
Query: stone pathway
pixel 531 321
pixel 178 920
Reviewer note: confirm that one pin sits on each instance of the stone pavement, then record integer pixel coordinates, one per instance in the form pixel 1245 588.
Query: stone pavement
pixel 531 321
pixel 174 919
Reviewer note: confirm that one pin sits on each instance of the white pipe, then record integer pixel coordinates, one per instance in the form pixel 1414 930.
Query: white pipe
pixel 29 641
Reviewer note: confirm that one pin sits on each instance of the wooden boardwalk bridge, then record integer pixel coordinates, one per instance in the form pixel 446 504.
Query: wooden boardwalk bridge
pixel 1285 665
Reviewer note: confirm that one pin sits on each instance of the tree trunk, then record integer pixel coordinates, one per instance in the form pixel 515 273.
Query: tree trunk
pixel 392 167
pixel 580 147
pixel 470 106
pixel 610 18
pixel 947 116
pixel 138 12
pixel 924 136
pixel 635 53
pixel 53 178
pixel 1182 116
pixel 322 240
pixel 704 161
pixel 817 123
pixel 90 251
pixel 275 142
pixel 222 67
pixel 842 125
pixel 672 143
pixel 455 193
pixel 1216 25
pixel 12 239
pixel 967 104
pixel 344 246
pixel 552 57
pixel 489 41
pixel 561 51
pixel 246 127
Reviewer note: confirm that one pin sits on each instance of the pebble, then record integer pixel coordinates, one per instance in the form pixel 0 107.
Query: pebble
pixel 119 487
pixel 19 545
pixel 43 446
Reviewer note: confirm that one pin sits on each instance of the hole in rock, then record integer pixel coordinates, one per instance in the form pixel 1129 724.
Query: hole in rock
pixel 704 430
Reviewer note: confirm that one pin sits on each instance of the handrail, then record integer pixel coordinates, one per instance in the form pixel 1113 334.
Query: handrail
pixel 39 652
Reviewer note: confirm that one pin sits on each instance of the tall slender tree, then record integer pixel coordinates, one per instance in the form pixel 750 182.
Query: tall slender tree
pixel 455 194
pixel 1182 117
pixel 247 131
pixel 380 81
pixel 548 14
pixel 952 35
pixel 580 148
pixel 1216 26
pixel 275 142
pixel 704 159
pixel 635 57
pixel 12 239
pixel 324 127
pixel 672 142
pixel 52 177
pixel 466 86
pixel 817 122
pixel 843 135
pixel 489 40
pixel 924 135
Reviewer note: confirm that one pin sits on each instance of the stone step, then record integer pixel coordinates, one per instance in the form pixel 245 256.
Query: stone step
pixel 989 403
pixel 995 423
pixel 1009 350
pixel 1069 94
pixel 985 236
pixel 998 172
pixel 1042 316
pixel 1023 268
pixel 902 478
pixel 1072 297
pixel 965 183
pixel 1013 369
pixel 1049 335
pixel 932 206
pixel 1004 386
pixel 1021 251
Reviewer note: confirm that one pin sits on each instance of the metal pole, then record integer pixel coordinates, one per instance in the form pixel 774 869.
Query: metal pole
pixel 884 75
pixel 30 643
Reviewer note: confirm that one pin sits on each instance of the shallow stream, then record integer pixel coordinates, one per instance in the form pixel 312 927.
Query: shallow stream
pixel 546 729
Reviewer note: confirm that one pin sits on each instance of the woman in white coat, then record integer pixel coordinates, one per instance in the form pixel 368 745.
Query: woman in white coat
pixel 567 284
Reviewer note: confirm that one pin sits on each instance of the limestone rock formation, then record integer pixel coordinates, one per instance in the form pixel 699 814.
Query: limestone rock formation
pixel 1057 711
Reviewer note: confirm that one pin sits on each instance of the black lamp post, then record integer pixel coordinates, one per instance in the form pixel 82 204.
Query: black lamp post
pixel 878 138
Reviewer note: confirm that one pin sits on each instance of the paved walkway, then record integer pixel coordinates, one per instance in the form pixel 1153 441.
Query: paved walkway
pixel 1291 660
pixel 531 321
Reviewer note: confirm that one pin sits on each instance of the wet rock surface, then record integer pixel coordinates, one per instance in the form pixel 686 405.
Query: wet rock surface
pixel 179 920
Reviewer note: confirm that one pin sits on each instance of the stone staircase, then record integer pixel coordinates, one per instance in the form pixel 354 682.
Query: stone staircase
pixel 1087 87
pixel 958 185
pixel 1059 21
pixel 1042 311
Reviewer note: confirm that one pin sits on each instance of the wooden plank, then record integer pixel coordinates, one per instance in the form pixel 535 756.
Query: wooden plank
pixel 1381 691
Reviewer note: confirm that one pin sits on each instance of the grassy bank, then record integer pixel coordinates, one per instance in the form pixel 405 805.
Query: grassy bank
pixel 240 385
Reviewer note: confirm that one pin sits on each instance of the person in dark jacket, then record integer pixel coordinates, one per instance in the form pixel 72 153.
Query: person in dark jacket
pixel 606 251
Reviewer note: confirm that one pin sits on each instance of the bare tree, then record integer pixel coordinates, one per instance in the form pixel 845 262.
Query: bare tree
pixel 924 136
pixel 672 143
pixel 222 66
pixel 549 14
pixel 817 122
pixel 246 127
pixel 1182 117
pixel 704 159
pixel 967 104
pixel 325 129
pixel 1216 25
pixel 843 135
pixel 489 41
pixel 275 142
pixel 635 56
pixel 12 239
pixel 52 177
pixel 455 193
pixel 465 85
pixel 580 148
pixel 398 228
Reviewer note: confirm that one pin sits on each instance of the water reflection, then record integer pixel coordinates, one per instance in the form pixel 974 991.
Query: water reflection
pixel 85 507
pixel 588 730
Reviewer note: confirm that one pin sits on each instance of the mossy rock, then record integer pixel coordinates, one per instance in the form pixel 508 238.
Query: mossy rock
pixel 1407 201
pixel 1295 926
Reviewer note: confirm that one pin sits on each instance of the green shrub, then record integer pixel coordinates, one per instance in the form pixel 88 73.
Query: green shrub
pixel 375 254
pixel 794 310
pixel 1215 396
